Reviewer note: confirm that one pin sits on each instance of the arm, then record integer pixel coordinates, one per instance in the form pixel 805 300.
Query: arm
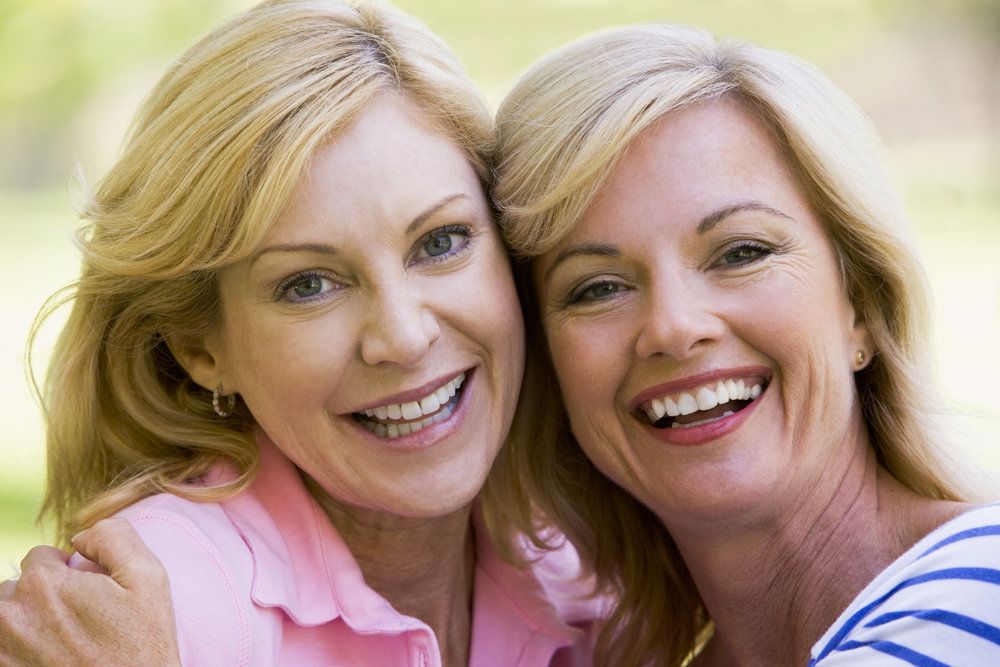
pixel 56 615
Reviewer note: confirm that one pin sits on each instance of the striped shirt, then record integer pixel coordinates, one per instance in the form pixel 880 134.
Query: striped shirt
pixel 937 605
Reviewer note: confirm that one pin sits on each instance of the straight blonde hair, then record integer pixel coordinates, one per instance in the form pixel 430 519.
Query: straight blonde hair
pixel 211 159
pixel 561 131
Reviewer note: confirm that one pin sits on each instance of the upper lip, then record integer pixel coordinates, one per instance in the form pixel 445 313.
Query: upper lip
pixel 693 381
pixel 414 394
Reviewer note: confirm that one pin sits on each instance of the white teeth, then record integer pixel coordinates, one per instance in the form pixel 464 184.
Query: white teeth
pixel 672 409
pixel 429 404
pixel 410 410
pixel 732 389
pixel 706 399
pixel 686 404
pixel 703 398
pixel 702 421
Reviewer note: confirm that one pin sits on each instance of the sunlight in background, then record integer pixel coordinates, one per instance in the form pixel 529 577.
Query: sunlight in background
pixel 927 72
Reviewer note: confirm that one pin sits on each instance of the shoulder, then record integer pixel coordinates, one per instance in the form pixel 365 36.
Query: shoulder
pixel 567 585
pixel 940 601
pixel 210 569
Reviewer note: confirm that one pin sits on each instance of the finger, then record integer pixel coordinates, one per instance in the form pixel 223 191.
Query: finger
pixel 7 589
pixel 114 545
pixel 44 555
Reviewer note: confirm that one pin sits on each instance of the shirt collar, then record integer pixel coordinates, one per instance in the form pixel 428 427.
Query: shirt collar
pixel 302 566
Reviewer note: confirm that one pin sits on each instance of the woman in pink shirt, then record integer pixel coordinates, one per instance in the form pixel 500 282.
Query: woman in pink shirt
pixel 293 355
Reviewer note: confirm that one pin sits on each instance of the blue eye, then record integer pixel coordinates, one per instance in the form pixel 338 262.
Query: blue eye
pixel 304 287
pixel 443 242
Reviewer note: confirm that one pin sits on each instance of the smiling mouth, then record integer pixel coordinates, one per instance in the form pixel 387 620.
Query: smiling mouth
pixel 394 420
pixel 701 405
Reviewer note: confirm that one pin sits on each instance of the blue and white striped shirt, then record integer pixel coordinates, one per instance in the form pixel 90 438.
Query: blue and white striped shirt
pixel 935 606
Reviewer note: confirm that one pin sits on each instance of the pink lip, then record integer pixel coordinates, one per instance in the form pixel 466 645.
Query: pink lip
pixel 413 394
pixel 428 436
pixel 693 381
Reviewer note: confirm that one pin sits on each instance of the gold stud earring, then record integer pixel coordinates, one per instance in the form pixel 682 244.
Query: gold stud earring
pixel 860 357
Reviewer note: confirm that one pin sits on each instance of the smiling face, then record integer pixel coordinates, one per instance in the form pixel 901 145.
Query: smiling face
pixel 375 335
pixel 700 333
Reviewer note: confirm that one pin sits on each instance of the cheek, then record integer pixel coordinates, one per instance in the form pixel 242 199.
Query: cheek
pixel 588 367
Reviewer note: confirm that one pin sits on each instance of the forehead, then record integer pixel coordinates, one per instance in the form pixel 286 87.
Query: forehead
pixel 692 162
pixel 387 166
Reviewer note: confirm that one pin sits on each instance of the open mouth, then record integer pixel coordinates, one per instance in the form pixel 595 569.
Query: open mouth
pixel 394 420
pixel 702 405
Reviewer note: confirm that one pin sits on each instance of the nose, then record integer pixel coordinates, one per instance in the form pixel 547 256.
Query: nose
pixel 399 327
pixel 679 321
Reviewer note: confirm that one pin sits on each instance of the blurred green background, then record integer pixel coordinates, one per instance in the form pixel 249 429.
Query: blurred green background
pixel 927 72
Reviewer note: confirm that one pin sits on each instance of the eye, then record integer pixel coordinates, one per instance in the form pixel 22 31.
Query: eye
pixel 442 242
pixel 305 287
pixel 743 253
pixel 597 291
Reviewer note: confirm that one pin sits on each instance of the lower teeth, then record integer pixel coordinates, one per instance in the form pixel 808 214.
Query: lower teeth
pixel 703 421
pixel 397 430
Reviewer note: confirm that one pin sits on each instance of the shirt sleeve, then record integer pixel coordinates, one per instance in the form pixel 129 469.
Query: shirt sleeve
pixel 942 607
pixel 210 599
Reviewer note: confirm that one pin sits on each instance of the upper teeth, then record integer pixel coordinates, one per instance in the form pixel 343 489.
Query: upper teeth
pixel 416 409
pixel 703 398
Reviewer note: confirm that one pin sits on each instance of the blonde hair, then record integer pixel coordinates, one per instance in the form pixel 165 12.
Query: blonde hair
pixel 561 131
pixel 211 159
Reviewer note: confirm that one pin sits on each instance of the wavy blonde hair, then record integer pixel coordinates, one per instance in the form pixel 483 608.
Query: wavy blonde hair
pixel 561 131
pixel 210 161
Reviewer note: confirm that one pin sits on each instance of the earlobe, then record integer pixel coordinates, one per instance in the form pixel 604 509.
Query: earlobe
pixel 864 345
pixel 201 359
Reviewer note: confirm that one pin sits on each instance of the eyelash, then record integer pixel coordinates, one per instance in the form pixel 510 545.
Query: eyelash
pixel 283 290
pixel 463 230
pixel 578 295
pixel 760 249
pixel 285 287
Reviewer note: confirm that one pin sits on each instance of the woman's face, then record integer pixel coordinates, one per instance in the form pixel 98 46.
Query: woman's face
pixel 376 335
pixel 698 325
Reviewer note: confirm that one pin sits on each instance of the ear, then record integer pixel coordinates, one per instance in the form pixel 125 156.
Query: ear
pixel 860 340
pixel 202 358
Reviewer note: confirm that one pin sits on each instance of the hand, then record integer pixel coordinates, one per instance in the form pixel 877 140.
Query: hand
pixel 56 615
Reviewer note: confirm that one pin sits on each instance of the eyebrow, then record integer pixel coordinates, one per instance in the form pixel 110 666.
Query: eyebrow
pixel 583 249
pixel 326 249
pixel 704 226
pixel 717 216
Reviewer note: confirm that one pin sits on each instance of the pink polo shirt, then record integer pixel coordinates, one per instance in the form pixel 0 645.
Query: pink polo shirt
pixel 263 578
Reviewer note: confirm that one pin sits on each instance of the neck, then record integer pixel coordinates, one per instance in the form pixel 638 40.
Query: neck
pixel 772 588
pixel 424 567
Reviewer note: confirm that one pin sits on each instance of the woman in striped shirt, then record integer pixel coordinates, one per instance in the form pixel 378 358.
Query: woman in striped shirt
pixel 718 270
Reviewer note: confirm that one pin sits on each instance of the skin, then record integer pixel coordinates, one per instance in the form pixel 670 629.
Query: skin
pixel 48 617
pixel 783 518
pixel 384 275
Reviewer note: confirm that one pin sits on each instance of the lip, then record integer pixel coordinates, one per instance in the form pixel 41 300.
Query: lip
pixel 693 381
pixel 412 394
pixel 428 436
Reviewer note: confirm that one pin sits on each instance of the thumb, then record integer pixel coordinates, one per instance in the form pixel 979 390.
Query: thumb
pixel 115 546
